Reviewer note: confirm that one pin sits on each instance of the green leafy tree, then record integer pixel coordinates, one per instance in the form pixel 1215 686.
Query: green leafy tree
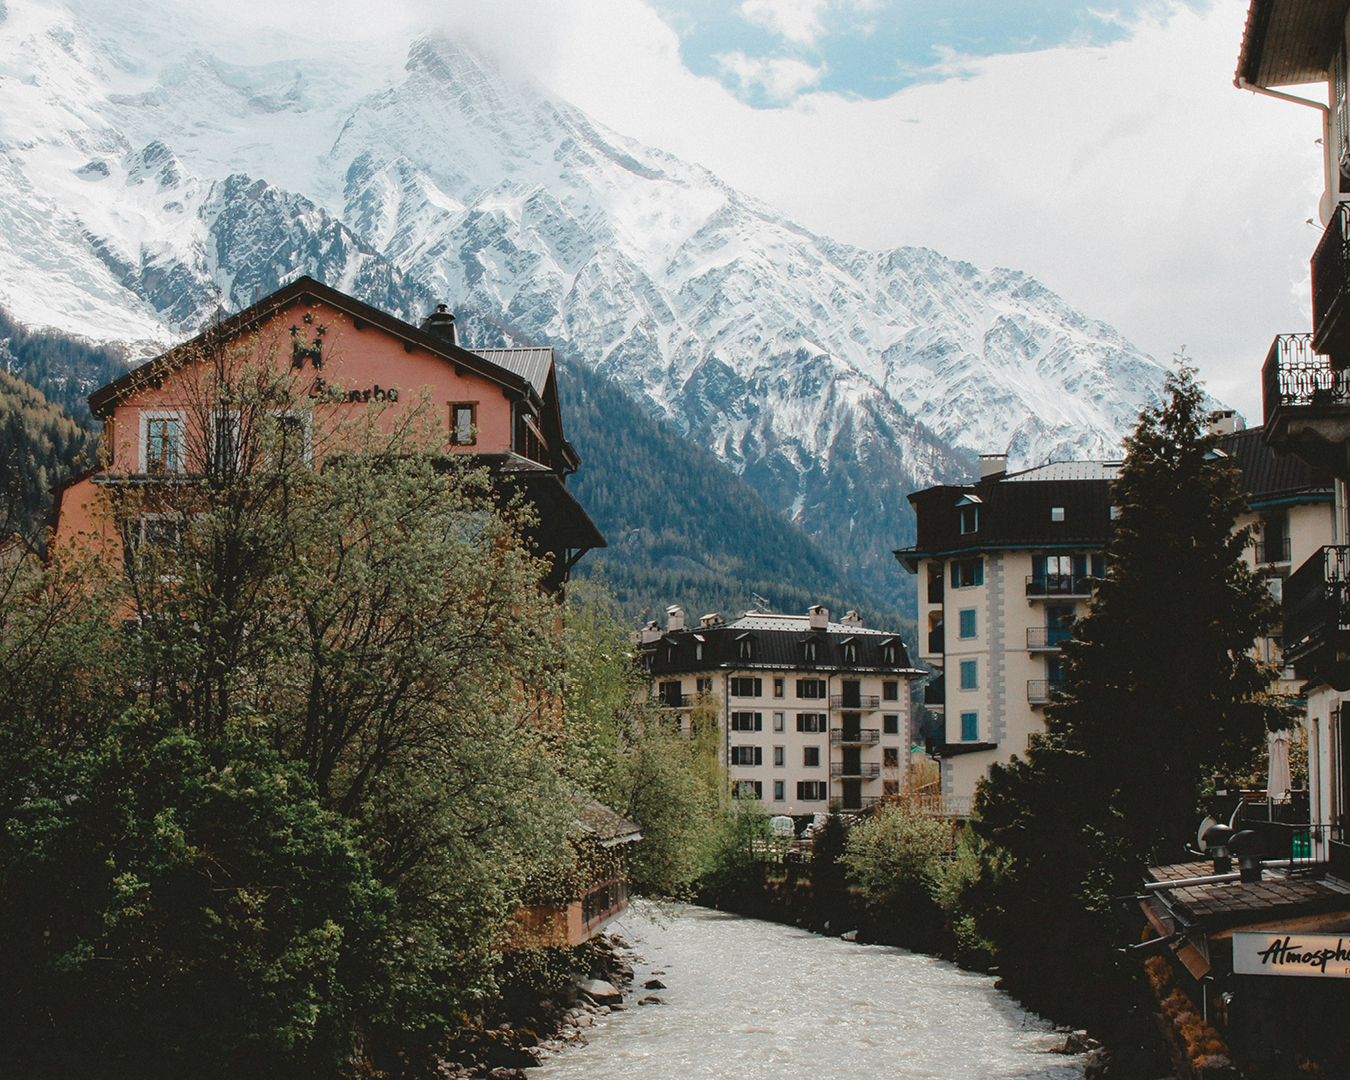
pixel 895 854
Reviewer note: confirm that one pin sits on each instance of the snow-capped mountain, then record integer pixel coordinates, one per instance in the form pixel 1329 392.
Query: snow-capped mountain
pixel 144 181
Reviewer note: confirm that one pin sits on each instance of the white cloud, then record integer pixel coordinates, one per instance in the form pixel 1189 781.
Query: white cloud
pixel 782 78
pixel 796 20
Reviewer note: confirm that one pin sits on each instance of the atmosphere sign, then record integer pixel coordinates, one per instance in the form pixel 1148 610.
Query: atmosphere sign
pixel 1319 955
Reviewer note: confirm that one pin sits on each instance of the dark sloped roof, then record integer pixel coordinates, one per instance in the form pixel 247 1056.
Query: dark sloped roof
pixel 603 825
pixel 1287 42
pixel 675 653
pixel 1267 478
pixel 532 365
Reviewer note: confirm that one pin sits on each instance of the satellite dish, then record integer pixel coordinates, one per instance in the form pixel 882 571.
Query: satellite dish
pixel 782 825
pixel 1205 826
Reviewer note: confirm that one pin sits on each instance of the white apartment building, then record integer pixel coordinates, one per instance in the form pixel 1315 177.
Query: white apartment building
pixel 815 714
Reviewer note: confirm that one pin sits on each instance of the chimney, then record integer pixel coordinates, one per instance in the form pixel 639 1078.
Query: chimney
pixel 674 619
pixel 441 323
pixel 711 620
pixel 852 619
pixel 993 465
pixel 1226 422
pixel 820 616
pixel 649 633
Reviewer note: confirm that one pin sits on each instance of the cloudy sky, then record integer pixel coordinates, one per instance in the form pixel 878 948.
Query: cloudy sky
pixel 1102 148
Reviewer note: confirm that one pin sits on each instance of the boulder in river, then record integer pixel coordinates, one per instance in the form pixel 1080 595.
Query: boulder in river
pixel 601 992
pixel 654 984
pixel 651 999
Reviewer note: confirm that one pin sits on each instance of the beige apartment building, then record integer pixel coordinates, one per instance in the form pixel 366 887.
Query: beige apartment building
pixel 1007 564
pixel 815 714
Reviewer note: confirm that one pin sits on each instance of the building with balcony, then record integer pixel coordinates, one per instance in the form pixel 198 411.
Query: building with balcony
pixel 327 355
pixel 815 714
pixel 1004 567
pixel 1007 564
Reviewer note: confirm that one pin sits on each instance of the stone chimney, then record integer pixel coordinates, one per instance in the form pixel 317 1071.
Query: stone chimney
pixel 993 465
pixel 441 323
pixel 852 619
pixel 709 621
pixel 649 633
pixel 820 616
pixel 674 619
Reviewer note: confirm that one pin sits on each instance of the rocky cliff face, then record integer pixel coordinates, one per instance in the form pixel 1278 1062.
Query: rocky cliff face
pixel 141 188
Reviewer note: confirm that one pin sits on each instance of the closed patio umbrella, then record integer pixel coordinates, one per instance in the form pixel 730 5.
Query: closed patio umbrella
pixel 1278 781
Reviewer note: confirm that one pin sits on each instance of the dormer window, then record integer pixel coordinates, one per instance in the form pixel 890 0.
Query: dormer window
pixel 968 514
pixel 811 651
pixel 1056 513
pixel 849 650
pixel 745 647
pixel 888 652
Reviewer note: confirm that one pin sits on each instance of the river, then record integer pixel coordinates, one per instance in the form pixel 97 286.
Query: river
pixel 757 1000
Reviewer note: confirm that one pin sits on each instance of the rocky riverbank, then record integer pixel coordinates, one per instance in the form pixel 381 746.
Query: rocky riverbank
pixel 547 1008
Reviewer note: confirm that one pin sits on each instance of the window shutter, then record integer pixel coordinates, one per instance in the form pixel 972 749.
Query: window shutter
pixel 1038 567
pixel 1080 566
pixel 759 721
pixel 759 688
pixel 759 755
pixel 956 573
pixel 1098 566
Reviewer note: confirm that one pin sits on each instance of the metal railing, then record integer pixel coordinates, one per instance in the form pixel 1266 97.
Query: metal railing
pixel 864 770
pixel 1315 601
pixel 1048 637
pixel 856 736
pixel 675 701
pixel 1272 551
pixel 1331 279
pixel 1041 691
pixel 1061 585
pixel 1294 375
pixel 862 702
pixel 862 802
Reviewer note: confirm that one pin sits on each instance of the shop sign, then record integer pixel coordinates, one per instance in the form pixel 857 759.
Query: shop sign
pixel 1318 955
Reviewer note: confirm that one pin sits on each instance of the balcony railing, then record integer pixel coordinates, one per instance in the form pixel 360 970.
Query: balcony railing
pixel 1316 602
pixel 675 701
pixel 1294 375
pixel 862 702
pixel 935 640
pixel 855 737
pixel 1045 638
pixel 866 770
pixel 1058 585
pixel 859 802
pixel 1274 550
pixel 1041 691
pixel 1331 286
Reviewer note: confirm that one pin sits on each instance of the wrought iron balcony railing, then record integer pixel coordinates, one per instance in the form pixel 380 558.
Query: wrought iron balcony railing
pixel 1041 691
pixel 858 802
pixel 861 702
pixel 1295 375
pixel 675 701
pixel 1272 550
pixel 1331 287
pixel 866 770
pixel 855 736
pixel 1045 638
pixel 1060 585
pixel 1316 602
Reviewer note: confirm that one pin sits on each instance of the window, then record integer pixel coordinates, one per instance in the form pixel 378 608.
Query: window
pixel 967 572
pixel 463 423
pixel 669 693
pixel 1056 513
pixel 851 694
pixel 747 687
pixel 162 438
pixel 811 757
pixel 890 691
pixel 850 651
pixel 970 726
pixel 745 649
pixel 810 652
pixel 890 724
pixel 810 688
pixel 778 786
pixel 779 756
pixel 890 787
pixel 888 655
pixel 1115 513
pixel 811 790
pixel 747 789
pixel 812 721
pixel 966 628
pixel 890 757
pixel 747 721
pixel 778 688
pixel 747 755
pixel 226 444
pixel 703 686
pixel 970 519
pixel 292 439
pixel 970 674
pixel 778 721
pixel 698 650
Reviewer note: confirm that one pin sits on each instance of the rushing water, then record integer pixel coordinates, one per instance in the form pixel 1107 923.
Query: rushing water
pixel 751 999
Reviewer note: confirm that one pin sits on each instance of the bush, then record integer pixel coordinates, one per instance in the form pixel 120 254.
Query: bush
pixel 895 854
pixel 171 907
